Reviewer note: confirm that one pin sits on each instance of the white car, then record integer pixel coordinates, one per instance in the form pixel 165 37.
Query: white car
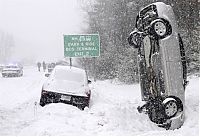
pixel 162 65
pixel 11 70
pixel 66 85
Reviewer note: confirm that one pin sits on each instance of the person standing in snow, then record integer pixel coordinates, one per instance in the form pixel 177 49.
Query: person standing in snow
pixel 44 66
pixel 38 65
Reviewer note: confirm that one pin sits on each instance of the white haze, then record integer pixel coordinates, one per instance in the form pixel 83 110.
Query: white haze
pixel 37 26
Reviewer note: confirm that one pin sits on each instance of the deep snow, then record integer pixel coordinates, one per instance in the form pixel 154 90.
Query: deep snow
pixel 112 110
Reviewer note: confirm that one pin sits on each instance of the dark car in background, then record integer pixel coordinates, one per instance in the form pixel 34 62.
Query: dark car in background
pixel 162 65
pixel 12 70
pixel 66 84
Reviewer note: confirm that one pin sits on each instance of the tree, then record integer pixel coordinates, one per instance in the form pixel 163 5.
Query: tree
pixel 6 45
pixel 114 20
pixel 187 13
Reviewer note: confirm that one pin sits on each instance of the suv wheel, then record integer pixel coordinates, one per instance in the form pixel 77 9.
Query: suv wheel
pixel 43 101
pixel 160 28
pixel 170 107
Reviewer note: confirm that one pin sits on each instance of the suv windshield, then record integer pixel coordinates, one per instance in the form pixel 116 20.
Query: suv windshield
pixel 145 17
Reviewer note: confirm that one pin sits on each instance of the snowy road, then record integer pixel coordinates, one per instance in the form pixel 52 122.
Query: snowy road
pixel 112 111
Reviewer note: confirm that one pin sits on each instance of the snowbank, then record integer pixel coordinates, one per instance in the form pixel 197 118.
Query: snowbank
pixel 112 110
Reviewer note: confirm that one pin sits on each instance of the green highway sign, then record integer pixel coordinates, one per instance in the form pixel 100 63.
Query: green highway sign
pixel 83 45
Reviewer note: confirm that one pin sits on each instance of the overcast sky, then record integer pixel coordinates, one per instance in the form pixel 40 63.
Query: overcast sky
pixel 38 26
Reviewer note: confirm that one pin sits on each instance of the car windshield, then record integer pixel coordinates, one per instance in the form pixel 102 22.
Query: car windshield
pixel 145 17
pixel 11 67
pixel 73 76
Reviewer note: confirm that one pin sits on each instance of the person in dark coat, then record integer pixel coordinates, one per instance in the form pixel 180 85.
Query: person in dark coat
pixel 44 66
pixel 38 65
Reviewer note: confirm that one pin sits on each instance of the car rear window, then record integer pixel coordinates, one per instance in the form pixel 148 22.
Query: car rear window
pixel 68 75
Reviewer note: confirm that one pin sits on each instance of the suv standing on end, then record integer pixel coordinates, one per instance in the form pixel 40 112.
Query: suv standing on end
pixel 162 65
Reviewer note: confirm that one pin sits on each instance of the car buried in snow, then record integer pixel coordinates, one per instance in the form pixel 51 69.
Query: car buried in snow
pixel 12 70
pixel 162 65
pixel 66 84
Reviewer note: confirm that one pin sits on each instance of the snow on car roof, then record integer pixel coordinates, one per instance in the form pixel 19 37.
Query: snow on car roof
pixel 12 64
pixel 69 73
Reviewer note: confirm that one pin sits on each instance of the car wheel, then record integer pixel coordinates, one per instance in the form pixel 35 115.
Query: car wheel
pixel 170 107
pixel 155 111
pixel 81 107
pixel 43 101
pixel 134 39
pixel 160 28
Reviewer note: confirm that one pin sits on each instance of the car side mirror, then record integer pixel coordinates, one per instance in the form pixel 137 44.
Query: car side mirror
pixel 134 39
pixel 47 75
pixel 89 81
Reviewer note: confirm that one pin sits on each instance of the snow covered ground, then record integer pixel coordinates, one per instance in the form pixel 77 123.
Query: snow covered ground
pixel 112 111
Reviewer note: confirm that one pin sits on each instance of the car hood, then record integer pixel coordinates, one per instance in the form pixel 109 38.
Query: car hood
pixel 66 87
pixel 10 69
